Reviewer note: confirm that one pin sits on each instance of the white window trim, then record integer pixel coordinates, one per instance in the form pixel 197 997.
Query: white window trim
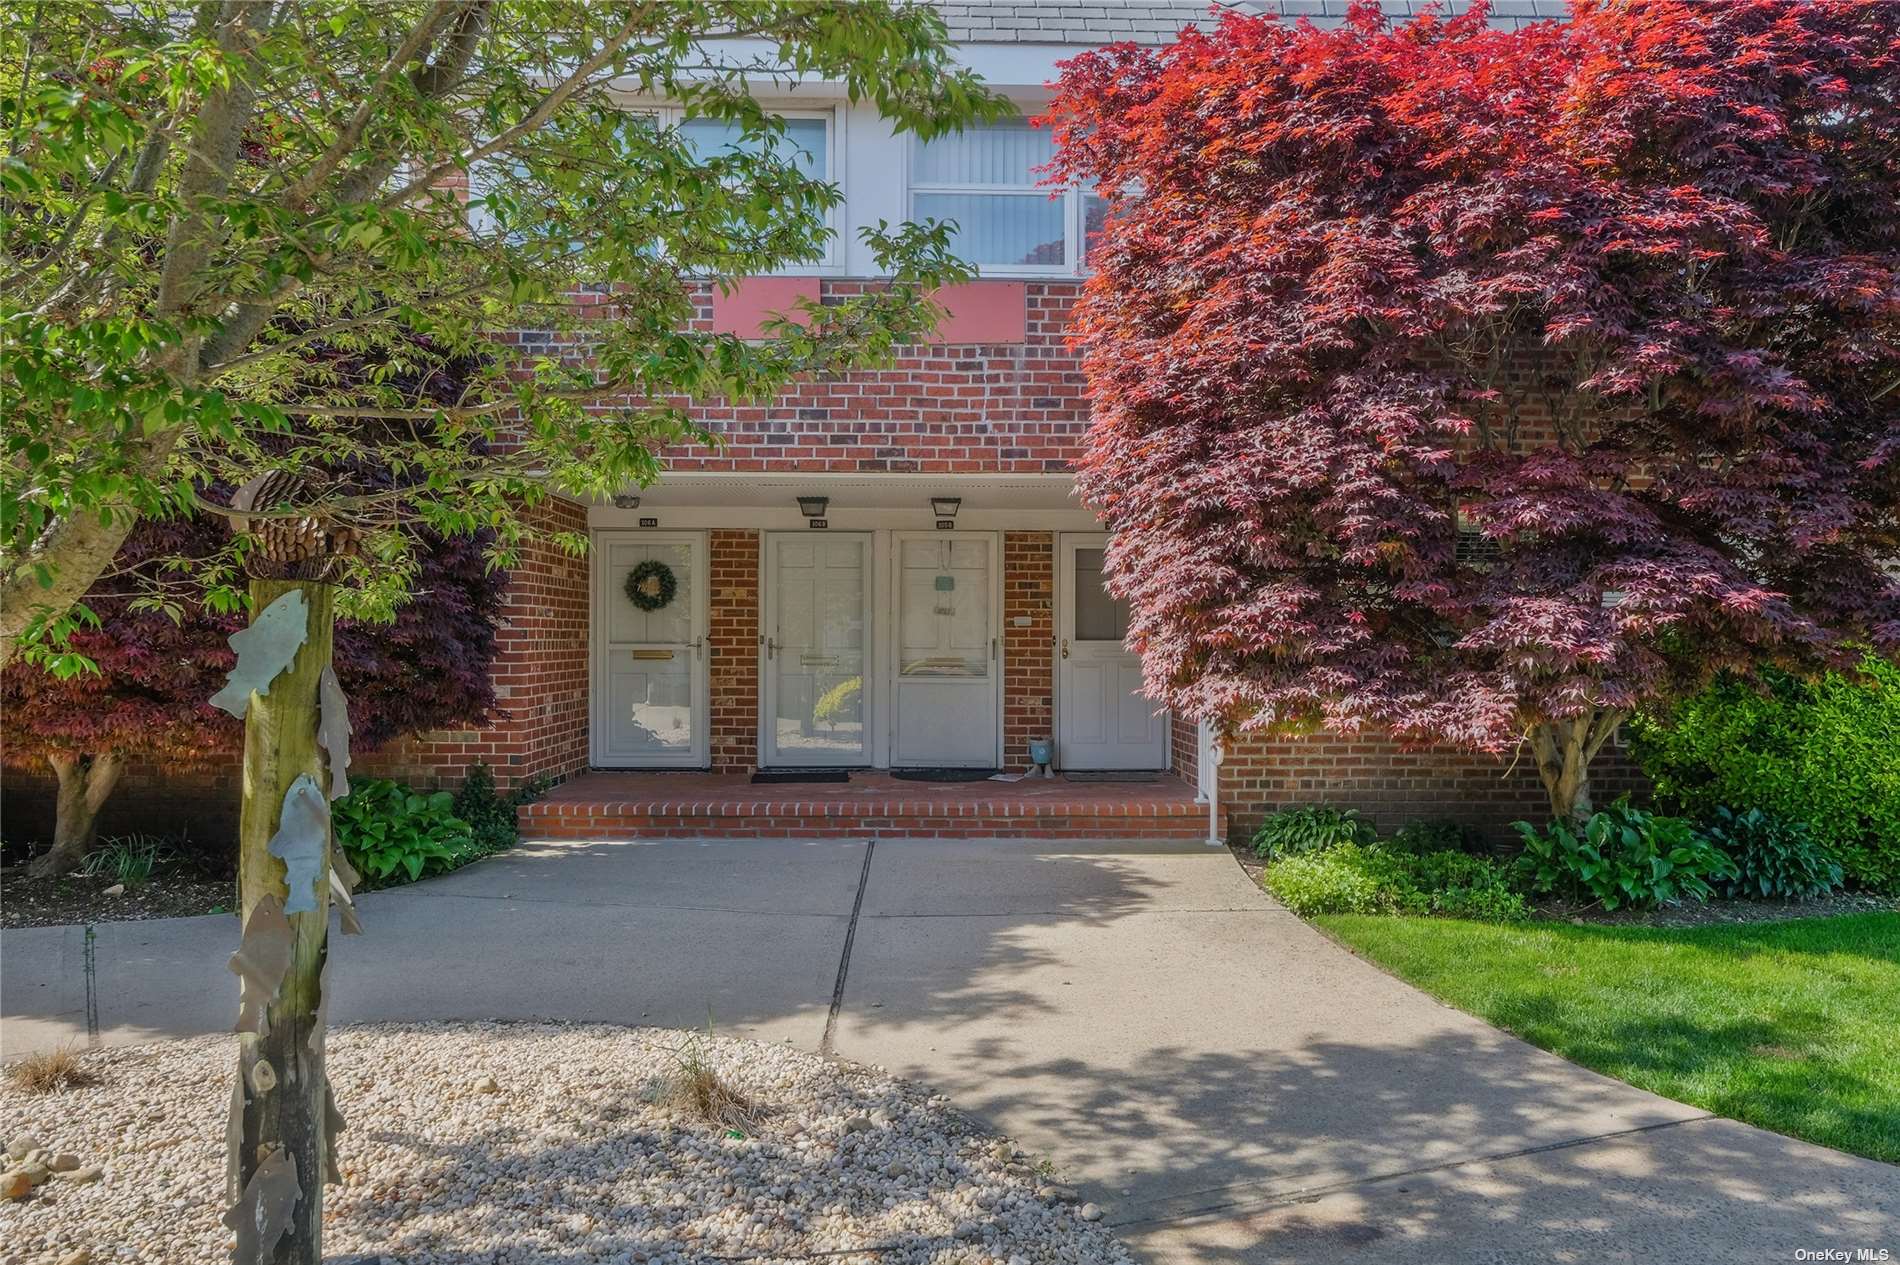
pixel 1071 218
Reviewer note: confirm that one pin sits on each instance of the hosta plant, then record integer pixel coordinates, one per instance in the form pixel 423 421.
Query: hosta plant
pixel 1311 828
pixel 1775 859
pixel 1622 858
pixel 392 834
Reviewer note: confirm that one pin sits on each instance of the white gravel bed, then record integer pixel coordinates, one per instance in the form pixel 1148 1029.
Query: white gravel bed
pixel 570 1154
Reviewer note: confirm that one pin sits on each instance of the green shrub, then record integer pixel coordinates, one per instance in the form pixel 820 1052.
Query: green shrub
pixel 1821 752
pixel 1346 879
pixel 1624 857
pixel 1435 835
pixel 393 834
pixel 489 814
pixel 1353 878
pixel 1312 828
pixel 1775 859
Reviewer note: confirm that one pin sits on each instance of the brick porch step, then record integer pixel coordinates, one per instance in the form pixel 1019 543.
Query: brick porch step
pixel 609 805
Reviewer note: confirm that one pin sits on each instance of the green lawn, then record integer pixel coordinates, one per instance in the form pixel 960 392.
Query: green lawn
pixel 1793 1026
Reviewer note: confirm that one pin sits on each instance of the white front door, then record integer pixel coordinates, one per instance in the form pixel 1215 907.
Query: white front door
pixel 947 674
pixel 1102 721
pixel 817 649
pixel 650 653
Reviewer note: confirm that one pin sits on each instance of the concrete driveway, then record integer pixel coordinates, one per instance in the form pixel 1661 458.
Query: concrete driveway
pixel 1228 1084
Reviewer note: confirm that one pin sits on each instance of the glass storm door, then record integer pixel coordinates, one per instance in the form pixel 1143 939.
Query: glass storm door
pixel 944 701
pixel 1102 721
pixel 818 638
pixel 650 664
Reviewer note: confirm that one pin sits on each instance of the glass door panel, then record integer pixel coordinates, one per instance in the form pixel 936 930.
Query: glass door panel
pixel 818 649
pixel 944 588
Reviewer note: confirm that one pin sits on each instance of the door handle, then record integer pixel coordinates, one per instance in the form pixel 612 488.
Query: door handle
pixel 992 650
pixel 771 647
pixel 1065 647
pixel 699 648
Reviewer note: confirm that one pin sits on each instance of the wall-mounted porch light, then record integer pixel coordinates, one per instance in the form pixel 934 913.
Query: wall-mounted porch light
pixel 945 506
pixel 813 506
pixel 626 501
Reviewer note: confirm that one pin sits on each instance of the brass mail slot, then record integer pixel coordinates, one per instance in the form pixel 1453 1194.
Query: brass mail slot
pixel 817 661
pixel 652 654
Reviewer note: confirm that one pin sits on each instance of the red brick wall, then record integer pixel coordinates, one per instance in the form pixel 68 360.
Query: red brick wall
pixel 977 408
pixel 198 800
pixel 1028 655
pixel 734 668
pixel 541 694
pixel 1184 739
pixel 1376 775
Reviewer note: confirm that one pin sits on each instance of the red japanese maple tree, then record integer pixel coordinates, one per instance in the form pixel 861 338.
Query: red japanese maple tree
pixel 426 669
pixel 1479 386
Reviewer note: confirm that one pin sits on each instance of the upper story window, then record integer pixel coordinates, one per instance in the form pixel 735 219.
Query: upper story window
pixel 806 141
pixel 985 178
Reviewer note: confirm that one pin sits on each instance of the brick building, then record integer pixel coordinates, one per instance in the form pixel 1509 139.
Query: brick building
pixel 889 570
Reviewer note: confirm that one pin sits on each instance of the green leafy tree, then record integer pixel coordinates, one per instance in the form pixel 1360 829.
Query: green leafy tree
pixel 192 195
pixel 194 198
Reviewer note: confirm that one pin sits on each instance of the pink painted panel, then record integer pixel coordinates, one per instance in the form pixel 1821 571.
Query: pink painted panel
pixel 744 310
pixel 984 312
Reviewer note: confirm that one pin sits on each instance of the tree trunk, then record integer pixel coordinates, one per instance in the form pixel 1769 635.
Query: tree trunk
pixel 74 552
pixel 283 1095
pixel 85 783
pixel 1564 750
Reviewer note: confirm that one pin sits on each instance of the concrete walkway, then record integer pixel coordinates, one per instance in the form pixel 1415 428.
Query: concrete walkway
pixel 1228 1084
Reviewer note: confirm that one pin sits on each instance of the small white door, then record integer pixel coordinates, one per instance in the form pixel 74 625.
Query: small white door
pixel 817 648
pixel 1102 720
pixel 947 671
pixel 650 654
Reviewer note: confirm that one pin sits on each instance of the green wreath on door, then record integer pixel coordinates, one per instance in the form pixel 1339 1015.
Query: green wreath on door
pixel 651 585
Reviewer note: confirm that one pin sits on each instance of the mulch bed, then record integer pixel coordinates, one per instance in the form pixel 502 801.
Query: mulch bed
pixel 1709 913
pixel 70 898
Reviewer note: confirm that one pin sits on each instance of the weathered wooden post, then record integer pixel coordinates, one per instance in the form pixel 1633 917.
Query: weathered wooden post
pixel 295 753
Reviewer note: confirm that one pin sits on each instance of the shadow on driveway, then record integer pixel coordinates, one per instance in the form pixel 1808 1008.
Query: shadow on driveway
pixel 1228 1084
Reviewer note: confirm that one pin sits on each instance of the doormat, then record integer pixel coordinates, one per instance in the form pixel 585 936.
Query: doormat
pixel 1115 775
pixel 942 775
pixel 779 777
